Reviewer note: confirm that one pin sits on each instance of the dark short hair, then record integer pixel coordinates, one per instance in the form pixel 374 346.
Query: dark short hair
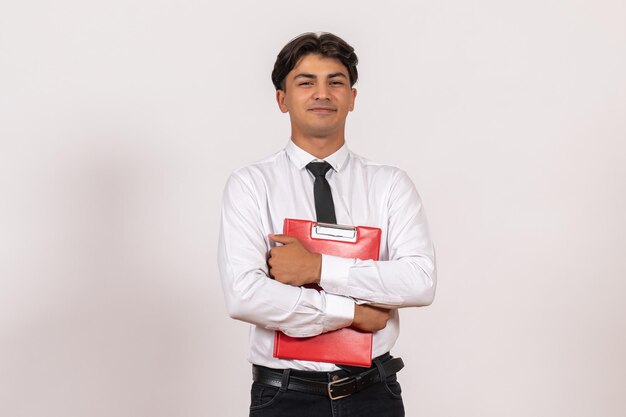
pixel 324 44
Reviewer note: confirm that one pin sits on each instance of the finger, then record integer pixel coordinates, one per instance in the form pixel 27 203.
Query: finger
pixel 284 239
pixel 275 251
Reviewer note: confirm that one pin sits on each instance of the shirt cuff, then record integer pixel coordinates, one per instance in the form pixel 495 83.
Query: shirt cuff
pixel 334 274
pixel 339 312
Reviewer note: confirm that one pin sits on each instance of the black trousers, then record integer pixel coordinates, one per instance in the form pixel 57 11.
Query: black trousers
pixel 382 399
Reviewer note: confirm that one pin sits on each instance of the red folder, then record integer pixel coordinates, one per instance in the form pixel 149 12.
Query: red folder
pixel 347 346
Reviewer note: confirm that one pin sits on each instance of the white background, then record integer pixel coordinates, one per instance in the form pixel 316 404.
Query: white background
pixel 121 120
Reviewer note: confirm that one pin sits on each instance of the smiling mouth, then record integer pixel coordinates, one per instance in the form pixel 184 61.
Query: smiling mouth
pixel 322 110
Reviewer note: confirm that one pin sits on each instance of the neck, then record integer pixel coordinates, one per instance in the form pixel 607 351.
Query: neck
pixel 319 147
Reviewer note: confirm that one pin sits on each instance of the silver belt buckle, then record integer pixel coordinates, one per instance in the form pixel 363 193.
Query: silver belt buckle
pixel 330 389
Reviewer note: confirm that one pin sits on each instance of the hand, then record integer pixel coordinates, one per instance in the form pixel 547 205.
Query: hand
pixel 369 318
pixel 292 263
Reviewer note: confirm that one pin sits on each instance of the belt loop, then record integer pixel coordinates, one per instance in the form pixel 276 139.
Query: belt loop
pixel 284 383
pixel 381 369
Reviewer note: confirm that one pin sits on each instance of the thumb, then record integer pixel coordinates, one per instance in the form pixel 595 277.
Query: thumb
pixel 284 239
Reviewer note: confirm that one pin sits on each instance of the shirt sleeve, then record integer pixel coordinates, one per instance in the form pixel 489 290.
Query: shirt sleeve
pixel 250 294
pixel 408 277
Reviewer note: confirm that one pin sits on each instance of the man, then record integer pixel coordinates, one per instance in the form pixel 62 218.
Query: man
pixel 317 177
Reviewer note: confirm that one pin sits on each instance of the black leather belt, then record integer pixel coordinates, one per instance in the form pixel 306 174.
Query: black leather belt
pixel 339 388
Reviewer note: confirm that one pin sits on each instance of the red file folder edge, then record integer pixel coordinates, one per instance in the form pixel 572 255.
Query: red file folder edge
pixel 347 346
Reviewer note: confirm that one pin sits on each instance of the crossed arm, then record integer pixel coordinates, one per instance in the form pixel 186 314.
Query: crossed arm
pixel 292 264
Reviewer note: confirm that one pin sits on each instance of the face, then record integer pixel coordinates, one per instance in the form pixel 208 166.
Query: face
pixel 318 97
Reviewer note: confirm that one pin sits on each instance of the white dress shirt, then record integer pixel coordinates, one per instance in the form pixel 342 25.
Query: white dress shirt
pixel 257 198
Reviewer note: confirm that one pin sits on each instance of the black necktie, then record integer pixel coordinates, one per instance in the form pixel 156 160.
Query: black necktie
pixel 324 207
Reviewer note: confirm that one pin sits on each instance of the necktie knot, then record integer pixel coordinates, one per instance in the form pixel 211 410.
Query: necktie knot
pixel 319 169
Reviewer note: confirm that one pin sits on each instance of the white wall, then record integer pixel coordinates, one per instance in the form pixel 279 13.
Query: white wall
pixel 121 120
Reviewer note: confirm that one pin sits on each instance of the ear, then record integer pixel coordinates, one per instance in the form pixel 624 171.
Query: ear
pixel 280 99
pixel 353 99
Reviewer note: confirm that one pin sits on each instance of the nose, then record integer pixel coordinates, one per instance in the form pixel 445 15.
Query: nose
pixel 321 92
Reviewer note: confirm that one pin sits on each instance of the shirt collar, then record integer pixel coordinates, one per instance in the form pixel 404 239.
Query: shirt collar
pixel 301 158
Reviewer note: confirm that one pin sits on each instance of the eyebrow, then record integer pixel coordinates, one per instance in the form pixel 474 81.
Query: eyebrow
pixel 314 77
